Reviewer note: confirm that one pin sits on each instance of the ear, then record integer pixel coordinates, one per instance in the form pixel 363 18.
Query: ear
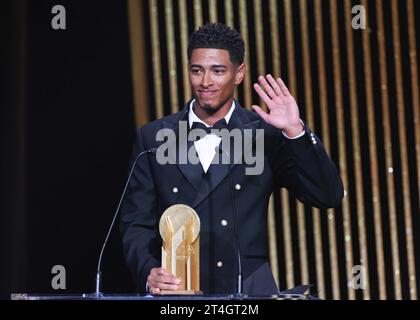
pixel 240 73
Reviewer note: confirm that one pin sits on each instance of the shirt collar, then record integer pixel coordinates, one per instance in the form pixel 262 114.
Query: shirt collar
pixel 192 117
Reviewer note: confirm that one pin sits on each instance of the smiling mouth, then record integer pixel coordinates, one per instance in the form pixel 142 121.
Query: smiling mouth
pixel 208 93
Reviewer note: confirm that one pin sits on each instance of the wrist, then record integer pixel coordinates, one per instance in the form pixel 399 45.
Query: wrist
pixel 293 131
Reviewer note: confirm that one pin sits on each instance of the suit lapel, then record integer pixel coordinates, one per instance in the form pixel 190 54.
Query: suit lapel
pixel 192 172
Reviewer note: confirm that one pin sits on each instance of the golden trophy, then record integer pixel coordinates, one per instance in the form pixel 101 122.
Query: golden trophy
pixel 179 228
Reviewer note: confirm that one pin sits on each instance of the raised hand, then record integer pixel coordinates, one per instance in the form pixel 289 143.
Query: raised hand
pixel 282 107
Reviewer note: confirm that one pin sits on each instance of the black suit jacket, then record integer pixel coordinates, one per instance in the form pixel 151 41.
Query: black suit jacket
pixel 300 165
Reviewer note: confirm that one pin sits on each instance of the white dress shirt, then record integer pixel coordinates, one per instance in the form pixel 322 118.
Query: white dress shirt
pixel 206 146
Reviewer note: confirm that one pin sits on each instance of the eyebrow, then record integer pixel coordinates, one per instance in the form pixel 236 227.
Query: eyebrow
pixel 212 66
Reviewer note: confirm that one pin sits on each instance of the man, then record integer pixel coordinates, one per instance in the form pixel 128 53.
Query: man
pixel 293 158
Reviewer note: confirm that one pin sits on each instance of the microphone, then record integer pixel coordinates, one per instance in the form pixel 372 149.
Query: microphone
pixel 98 280
pixel 239 292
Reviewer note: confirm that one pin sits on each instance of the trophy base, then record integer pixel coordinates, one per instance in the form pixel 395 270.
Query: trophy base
pixel 179 292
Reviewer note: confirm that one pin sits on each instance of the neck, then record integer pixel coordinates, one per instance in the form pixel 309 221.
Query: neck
pixel 212 117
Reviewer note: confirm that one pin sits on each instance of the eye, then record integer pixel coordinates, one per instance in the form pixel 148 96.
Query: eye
pixel 195 71
pixel 219 71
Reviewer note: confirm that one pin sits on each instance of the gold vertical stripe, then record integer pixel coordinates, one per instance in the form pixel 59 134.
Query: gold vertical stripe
pixel 259 37
pixel 293 89
pixel 244 30
pixel 388 149
pixel 198 14
pixel 414 82
pixel 170 39
pixel 275 45
pixel 341 142
pixel 229 13
pixel 271 209
pixel 357 158
pixel 322 82
pixel 157 69
pixel 319 259
pixel 230 22
pixel 335 276
pixel 213 10
pixel 376 196
pixel 272 240
pixel 290 47
pixel 182 8
pixel 322 78
pixel 303 254
pixel 288 252
pixel 307 77
pixel 403 149
pixel 138 62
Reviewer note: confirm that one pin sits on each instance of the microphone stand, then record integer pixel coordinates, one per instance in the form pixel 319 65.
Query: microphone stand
pixel 239 293
pixel 98 279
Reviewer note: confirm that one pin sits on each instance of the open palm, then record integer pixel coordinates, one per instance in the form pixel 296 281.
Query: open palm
pixel 282 107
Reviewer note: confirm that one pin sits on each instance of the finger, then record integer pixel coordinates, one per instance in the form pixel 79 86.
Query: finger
pixel 267 87
pixel 157 276
pixel 154 290
pixel 164 286
pixel 274 85
pixel 260 112
pixel 283 87
pixel 166 279
pixel 159 271
pixel 262 94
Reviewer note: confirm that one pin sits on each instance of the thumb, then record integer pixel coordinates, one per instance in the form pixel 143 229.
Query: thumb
pixel 260 112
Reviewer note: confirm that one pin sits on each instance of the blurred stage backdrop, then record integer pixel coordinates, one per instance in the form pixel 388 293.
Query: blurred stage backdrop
pixel 357 89
pixel 74 97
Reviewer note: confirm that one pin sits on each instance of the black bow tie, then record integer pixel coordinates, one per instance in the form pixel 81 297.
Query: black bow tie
pixel 221 124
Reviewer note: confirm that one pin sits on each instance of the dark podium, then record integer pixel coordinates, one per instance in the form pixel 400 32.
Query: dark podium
pixel 172 297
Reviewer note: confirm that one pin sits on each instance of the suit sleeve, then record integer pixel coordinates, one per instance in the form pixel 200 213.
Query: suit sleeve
pixel 303 167
pixel 138 225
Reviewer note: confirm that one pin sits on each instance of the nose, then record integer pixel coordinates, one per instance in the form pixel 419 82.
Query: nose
pixel 206 80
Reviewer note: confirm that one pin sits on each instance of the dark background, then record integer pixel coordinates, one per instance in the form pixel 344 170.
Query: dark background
pixel 67 125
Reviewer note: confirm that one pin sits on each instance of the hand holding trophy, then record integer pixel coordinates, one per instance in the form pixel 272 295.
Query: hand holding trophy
pixel 179 228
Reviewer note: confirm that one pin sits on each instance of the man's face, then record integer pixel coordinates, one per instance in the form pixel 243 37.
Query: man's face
pixel 213 78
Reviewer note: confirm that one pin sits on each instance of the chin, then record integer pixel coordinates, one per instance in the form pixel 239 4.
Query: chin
pixel 209 107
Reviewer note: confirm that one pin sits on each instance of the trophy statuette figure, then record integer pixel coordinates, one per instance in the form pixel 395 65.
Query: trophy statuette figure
pixel 179 228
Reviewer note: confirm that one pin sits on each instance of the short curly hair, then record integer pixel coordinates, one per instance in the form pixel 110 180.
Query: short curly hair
pixel 218 36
